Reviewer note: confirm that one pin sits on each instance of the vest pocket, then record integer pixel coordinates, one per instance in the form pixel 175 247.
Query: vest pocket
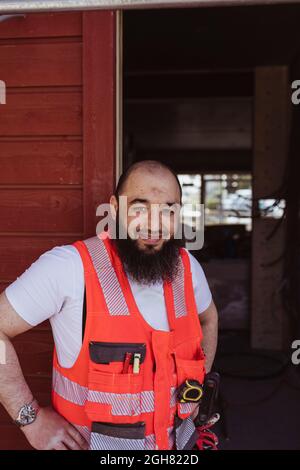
pixel 187 369
pixel 114 396
pixel 105 355
pixel 107 436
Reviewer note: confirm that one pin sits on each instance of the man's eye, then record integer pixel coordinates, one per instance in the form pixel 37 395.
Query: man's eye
pixel 167 211
pixel 139 209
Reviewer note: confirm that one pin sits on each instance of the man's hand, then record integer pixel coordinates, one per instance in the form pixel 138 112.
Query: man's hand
pixel 50 431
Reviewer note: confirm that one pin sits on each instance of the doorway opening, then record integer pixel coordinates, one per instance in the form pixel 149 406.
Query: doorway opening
pixel 198 94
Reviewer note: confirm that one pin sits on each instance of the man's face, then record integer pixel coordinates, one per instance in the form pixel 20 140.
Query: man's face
pixel 149 209
pixel 147 216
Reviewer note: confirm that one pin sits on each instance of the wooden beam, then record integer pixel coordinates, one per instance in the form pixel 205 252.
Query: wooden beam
pixel 270 155
pixel 99 124
pixel 10 6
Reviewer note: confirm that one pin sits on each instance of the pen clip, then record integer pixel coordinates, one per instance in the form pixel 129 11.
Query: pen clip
pixel 136 363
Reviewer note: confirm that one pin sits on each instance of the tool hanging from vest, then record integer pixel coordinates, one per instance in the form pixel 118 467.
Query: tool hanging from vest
pixel 207 440
pixel 210 395
pixel 190 391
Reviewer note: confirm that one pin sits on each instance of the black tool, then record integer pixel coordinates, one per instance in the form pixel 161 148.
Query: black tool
pixel 190 391
pixel 208 400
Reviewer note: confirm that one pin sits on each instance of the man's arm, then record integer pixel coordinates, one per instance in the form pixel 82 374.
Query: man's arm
pixel 209 324
pixel 49 430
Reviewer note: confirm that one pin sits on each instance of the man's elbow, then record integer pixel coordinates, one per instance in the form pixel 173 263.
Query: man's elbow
pixel 210 316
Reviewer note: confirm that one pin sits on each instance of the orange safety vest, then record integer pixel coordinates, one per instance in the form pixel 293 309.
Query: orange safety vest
pixel 116 409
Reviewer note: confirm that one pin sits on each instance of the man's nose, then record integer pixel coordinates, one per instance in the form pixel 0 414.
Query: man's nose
pixel 155 221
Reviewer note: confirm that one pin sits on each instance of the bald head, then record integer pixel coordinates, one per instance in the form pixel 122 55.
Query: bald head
pixel 143 171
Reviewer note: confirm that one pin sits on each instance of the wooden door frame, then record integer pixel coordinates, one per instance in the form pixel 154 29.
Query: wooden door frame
pixel 119 94
pixel 100 128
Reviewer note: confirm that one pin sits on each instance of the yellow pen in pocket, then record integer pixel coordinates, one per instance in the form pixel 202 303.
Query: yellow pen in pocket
pixel 136 363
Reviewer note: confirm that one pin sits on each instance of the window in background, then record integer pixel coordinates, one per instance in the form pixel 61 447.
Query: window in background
pixel 227 197
pixel 191 195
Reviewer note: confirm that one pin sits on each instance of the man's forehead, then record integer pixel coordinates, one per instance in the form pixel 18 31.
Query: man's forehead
pixel 151 186
pixel 152 195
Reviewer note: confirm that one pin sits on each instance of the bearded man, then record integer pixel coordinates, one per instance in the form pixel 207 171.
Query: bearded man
pixel 133 322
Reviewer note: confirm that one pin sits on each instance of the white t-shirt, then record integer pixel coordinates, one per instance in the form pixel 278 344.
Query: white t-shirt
pixel 53 288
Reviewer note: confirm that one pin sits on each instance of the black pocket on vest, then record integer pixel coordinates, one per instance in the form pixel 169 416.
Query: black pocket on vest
pixel 104 353
pixel 108 436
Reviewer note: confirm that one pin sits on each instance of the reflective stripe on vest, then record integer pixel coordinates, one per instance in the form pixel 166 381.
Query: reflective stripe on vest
pixel 178 292
pixel 185 435
pixel 122 404
pixel 108 280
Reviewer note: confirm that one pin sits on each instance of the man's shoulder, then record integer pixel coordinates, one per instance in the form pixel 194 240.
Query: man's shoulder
pixel 196 268
pixel 192 258
pixel 62 252
pixel 59 261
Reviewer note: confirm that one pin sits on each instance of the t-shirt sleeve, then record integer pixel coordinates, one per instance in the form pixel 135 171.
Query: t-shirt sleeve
pixel 40 292
pixel 202 291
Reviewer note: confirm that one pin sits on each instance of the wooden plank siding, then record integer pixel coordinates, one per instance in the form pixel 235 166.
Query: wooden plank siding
pixel 57 155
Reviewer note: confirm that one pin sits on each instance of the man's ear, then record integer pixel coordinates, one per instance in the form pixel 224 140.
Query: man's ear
pixel 113 206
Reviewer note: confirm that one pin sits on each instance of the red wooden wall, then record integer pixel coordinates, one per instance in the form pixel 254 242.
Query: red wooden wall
pixel 57 154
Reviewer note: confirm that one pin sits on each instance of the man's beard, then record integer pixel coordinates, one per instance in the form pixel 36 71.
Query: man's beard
pixel 149 266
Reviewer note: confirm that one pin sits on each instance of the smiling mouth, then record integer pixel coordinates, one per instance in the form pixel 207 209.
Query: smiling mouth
pixel 151 241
